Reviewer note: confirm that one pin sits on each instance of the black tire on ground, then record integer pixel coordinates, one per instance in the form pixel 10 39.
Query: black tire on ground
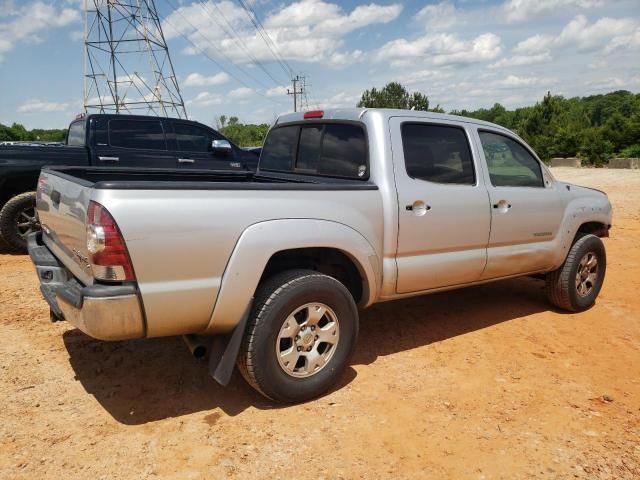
pixel 276 300
pixel 13 214
pixel 5 247
pixel 570 287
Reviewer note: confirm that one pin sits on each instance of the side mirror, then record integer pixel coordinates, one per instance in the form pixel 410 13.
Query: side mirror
pixel 221 147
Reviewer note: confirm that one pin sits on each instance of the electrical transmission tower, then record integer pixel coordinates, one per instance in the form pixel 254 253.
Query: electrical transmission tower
pixel 127 65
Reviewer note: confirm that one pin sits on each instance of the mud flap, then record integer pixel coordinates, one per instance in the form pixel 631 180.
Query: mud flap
pixel 224 350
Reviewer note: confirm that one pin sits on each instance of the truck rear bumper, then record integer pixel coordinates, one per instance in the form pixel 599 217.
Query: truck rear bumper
pixel 105 312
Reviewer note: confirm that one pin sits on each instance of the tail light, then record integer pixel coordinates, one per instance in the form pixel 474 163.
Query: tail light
pixel 108 254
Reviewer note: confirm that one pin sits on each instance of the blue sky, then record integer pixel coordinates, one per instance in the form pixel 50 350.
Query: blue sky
pixel 462 54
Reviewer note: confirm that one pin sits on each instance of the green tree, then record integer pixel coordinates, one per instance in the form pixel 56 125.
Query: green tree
pixel 394 95
pixel 594 147
pixel 5 133
pixel 18 132
pixel 245 135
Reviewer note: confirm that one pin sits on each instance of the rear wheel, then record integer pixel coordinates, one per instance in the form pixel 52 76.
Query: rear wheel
pixel 301 334
pixel 18 219
pixel 577 283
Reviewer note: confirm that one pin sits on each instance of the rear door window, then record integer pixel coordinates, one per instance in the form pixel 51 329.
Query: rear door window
pixel 326 149
pixel 138 134
pixel 437 153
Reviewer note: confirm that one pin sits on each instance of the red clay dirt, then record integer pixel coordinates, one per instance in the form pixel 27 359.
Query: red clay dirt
pixel 485 382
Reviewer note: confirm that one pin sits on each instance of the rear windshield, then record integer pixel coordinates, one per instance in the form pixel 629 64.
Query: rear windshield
pixel 327 149
pixel 76 133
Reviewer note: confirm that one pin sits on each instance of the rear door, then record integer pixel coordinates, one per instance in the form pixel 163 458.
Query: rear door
pixel 194 149
pixel 444 213
pixel 526 211
pixel 131 142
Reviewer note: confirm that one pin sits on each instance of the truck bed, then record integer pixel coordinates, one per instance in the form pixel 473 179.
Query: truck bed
pixel 169 179
pixel 181 228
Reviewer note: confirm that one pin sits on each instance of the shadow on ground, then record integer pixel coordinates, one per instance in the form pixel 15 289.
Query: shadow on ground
pixel 148 380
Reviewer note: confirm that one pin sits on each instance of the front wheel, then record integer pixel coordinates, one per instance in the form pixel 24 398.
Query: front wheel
pixel 18 219
pixel 576 284
pixel 300 336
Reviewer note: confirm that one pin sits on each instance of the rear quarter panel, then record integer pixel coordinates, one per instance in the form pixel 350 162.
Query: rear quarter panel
pixel 180 241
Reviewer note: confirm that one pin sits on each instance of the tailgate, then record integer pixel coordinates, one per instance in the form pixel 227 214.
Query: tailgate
pixel 62 203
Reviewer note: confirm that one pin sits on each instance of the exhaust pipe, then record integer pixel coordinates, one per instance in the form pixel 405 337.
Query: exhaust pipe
pixel 198 345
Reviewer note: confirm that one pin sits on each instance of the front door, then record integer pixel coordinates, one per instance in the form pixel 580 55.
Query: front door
pixel 195 151
pixel 526 209
pixel 444 212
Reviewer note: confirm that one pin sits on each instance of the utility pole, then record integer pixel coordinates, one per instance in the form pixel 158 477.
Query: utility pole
pixel 296 91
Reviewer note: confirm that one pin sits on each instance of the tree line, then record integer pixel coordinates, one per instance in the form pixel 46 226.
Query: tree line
pixel 17 132
pixel 594 128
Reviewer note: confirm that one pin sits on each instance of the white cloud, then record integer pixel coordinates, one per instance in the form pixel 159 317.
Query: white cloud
pixel 625 42
pixel 76 35
pixel 340 100
pixel 534 44
pixel 305 31
pixel 199 80
pixel 587 37
pixel 328 18
pixel 276 91
pixel 442 49
pixel 521 10
pixel 241 93
pixel 340 59
pixel 440 16
pixel 611 82
pixel 205 99
pixel 606 32
pixel 520 60
pixel 421 76
pixel 515 82
pixel 28 22
pixel 42 106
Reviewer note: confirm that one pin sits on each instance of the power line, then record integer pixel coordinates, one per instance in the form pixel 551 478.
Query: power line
pixel 204 52
pixel 253 17
pixel 231 32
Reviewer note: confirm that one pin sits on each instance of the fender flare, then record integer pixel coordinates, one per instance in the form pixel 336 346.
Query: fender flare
pixel 578 212
pixel 260 241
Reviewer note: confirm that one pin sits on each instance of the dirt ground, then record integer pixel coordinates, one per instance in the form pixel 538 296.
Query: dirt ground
pixel 486 382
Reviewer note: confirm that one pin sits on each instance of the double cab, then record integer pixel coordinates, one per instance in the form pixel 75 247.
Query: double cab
pixel 348 208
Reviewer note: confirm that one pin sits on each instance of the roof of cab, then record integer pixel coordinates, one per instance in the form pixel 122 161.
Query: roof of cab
pixel 356 114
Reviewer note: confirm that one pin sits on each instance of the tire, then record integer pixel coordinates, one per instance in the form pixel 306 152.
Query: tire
pixel 572 286
pixel 15 213
pixel 262 360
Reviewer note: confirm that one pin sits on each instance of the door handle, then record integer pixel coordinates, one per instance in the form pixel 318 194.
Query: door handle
pixel 186 160
pixel 418 207
pixel 109 159
pixel 502 205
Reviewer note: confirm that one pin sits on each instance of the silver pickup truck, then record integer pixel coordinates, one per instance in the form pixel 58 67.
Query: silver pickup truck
pixel 348 208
